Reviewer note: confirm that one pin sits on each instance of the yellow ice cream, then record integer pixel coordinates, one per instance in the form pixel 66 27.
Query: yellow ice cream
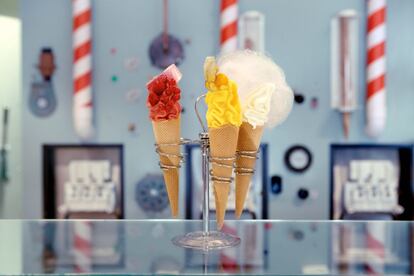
pixel 222 98
pixel 257 105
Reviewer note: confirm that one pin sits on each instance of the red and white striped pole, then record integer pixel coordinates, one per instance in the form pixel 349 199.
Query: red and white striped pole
pixel 82 68
pixel 376 67
pixel 82 246
pixel 228 25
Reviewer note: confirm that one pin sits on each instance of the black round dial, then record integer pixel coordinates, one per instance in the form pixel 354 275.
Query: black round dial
pixel 298 158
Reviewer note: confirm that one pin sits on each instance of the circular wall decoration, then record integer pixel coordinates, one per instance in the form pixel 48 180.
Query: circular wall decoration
pixel 151 194
pixel 42 101
pixel 162 55
pixel 298 158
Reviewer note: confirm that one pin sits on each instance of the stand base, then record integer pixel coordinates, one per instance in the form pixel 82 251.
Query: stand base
pixel 206 241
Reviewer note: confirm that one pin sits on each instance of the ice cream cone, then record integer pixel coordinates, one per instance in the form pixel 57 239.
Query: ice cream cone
pixel 223 143
pixel 168 132
pixel 249 140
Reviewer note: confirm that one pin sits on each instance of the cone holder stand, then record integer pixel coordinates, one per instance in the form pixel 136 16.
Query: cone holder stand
pixel 206 239
pixel 249 155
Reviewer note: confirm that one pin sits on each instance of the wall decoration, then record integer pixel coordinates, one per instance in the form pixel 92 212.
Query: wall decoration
pixel 132 95
pixel 276 184
pixel 314 103
pixel 303 193
pixel 83 181
pixel 299 98
pixel 151 194
pixel 344 64
pixel 82 69
pixel 376 109
pixel 166 49
pixel 113 51
pixel 251 33
pixel 228 25
pixel 131 64
pixel 298 158
pixel 42 100
pixel 114 78
pixel 371 181
pixel 132 127
pixel 4 173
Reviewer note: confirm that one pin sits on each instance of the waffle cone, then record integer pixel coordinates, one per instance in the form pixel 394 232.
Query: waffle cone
pixel 169 132
pixel 223 143
pixel 249 140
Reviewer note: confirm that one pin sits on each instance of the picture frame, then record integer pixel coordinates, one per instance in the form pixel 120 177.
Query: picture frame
pixel 371 181
pixel 83 181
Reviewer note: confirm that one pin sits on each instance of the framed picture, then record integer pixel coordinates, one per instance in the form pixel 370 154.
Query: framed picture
pixel 83 181
pixel 371 182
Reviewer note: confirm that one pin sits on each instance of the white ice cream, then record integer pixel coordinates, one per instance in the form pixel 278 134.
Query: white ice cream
pixel 257 106
pixel 250 70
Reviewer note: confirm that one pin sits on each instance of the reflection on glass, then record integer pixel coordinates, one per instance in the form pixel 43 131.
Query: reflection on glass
pixel 371 248
pixel 74 246
pixel 293 248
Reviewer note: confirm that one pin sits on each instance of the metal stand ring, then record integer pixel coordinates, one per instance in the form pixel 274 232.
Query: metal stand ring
pixel 180 156
pixel 252 154
pixel 221 179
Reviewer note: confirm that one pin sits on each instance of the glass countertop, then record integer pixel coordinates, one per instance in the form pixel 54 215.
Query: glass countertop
pixel 144 247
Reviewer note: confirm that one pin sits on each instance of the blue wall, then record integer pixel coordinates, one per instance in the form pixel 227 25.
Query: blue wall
pixel 297 37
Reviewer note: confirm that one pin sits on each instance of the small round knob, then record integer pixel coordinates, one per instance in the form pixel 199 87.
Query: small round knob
pixel 303 193
pixel 299 98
